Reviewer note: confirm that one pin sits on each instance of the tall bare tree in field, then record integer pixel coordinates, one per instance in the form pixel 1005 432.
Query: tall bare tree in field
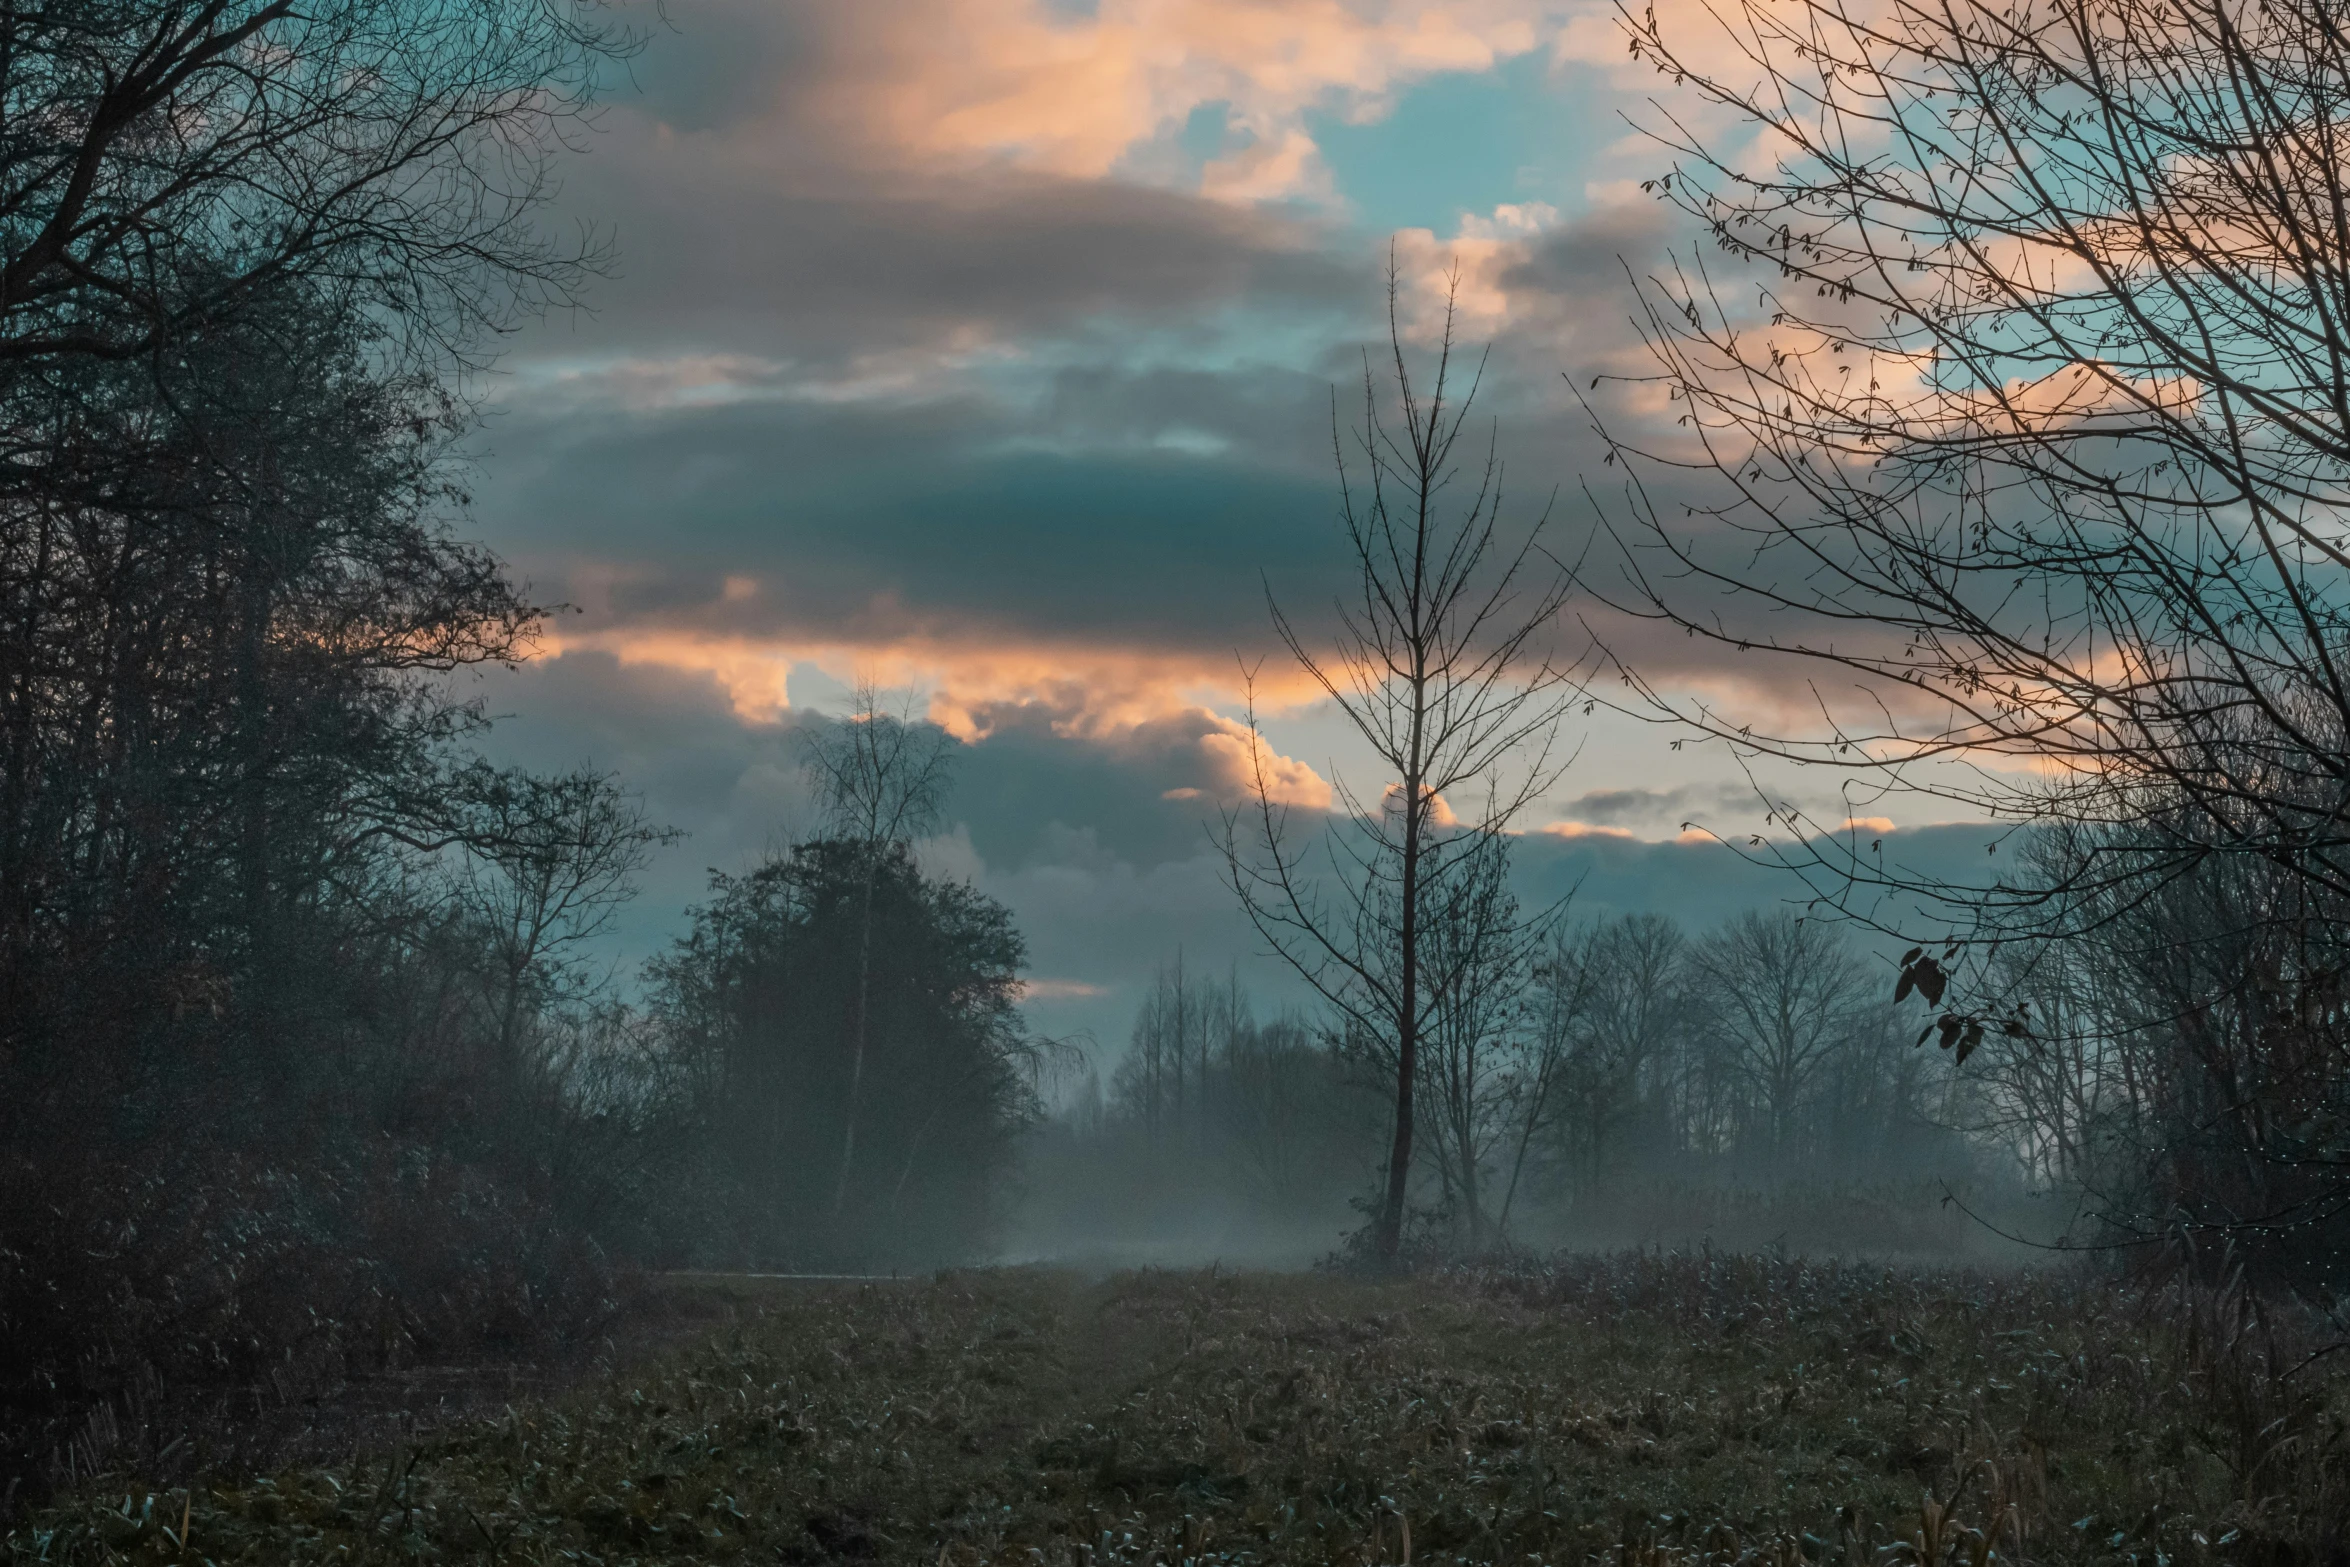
pixel 1438 663
pixel 883 777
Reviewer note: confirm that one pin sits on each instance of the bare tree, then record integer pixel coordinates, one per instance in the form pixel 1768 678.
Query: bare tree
pixel 547 865
pixel 2038 430
pixel 164 162
pixel 1782 994
pixel 1633 1014
pixel 883 778
pixel 1437 665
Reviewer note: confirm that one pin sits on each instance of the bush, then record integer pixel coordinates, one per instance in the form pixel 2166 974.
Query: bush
pixel 133 1291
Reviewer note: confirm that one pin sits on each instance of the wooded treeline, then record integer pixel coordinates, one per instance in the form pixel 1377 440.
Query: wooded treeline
pixel 305 1069
pixel 2164 1080
pixel 1623 1055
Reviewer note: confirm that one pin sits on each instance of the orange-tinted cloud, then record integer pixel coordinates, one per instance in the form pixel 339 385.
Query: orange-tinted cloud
pixel 1014 81
pixel 1100 689
pixel 1471 267
pixel 1440 811
pixel 1059 990
pixel 1103 694
pixel 1574 830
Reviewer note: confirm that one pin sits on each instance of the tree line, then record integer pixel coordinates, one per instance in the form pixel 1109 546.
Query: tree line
pixel 306 1067
pixel 1616 1056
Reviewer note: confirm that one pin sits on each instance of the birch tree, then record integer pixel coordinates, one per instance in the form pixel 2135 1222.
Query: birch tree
pixel 883 779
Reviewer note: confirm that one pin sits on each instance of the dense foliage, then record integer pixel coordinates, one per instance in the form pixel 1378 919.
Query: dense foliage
pixel 757 1002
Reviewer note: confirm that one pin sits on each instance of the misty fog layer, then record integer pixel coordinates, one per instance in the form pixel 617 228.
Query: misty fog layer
pixel 1635 1084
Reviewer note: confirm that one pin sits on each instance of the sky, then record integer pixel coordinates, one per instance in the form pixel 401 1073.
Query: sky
pixel 986 349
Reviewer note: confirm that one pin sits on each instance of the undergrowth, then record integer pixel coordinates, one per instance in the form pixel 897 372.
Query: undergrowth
pixel 151 1311
pixel 1639 1410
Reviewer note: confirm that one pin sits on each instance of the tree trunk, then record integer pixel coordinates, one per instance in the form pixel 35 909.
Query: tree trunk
pixel 1407 1020
pixel 848 1136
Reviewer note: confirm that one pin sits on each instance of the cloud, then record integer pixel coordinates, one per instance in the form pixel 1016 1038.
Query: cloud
pixel 1104 878
pixel 967 82
pixel 801 185
pixel 971 682
pixel 847 281
pixel 1623 808
pixel 1029 774
pixel 1471 270
pixel 862 523
pixel 1701 881
pixel 919 363
pixel 986 346
pixel 1572 830
pixel 1060 990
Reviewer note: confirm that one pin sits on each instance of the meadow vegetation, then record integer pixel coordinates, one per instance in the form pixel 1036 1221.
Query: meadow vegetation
pixel 1637 1409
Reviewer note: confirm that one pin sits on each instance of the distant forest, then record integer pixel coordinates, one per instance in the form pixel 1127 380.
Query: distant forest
pixel 1629 1079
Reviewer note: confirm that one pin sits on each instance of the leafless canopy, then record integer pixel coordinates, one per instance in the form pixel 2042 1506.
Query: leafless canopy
pixel 2021 407
pixel 163 163
pixel 882 775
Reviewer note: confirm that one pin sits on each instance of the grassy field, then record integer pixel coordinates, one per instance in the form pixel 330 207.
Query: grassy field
pixel 1637 1410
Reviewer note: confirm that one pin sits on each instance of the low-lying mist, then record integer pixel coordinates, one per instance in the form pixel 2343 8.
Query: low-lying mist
pixel 1748 1087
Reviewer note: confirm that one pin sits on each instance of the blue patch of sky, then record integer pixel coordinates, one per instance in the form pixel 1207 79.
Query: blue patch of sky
pixel 1176 155
pixel 1467 143
pixel 1204 131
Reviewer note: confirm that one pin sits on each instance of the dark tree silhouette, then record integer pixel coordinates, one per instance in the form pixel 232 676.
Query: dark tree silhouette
pixel 282 975
pixel 764 995
pixel 2035 442
pixel 163 166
